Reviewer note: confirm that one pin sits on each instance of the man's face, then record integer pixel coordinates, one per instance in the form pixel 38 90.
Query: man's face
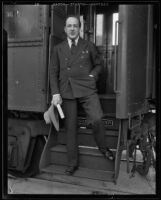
pixel 72 28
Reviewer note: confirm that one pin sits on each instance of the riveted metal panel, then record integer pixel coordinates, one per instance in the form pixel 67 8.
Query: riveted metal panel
pixel 132 59
pixel 23 21
pixel 23 78
pixel 27 57
pixel 58 22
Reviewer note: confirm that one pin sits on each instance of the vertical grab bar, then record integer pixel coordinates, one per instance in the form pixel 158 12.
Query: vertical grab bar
pixel 115 59
pixel 49 55
pixel 48 72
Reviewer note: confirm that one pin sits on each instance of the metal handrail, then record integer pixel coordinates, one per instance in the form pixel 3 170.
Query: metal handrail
pixel 115 59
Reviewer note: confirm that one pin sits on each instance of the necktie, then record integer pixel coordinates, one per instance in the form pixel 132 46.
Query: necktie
pixel 73 47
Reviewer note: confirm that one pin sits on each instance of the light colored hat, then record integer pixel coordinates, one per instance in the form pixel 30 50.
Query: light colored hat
pixel 51 116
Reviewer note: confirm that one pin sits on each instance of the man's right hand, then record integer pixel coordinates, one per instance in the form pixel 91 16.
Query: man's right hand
pixel 56 99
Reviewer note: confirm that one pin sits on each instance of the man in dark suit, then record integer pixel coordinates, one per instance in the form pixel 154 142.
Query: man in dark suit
pixel 75 66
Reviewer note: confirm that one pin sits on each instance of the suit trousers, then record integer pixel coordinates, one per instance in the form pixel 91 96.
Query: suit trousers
pixel 93 110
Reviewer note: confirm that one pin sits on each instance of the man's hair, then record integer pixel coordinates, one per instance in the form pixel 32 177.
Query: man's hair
pixel 75 16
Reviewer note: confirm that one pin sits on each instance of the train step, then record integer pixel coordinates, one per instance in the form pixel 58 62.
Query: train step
pixel 58 172
pixel 109 120
pixel 90 158
pixel 86 138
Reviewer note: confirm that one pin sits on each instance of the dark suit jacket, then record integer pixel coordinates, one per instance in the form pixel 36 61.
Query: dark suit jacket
pixel 69 74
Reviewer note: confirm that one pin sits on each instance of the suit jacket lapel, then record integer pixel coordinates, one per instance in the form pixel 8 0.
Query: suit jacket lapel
pixel 80 46
pixel 66 49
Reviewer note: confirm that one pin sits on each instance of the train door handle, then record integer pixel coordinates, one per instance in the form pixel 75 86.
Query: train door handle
pixel 115 59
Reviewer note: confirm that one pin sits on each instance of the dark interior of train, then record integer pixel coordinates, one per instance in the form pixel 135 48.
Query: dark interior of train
pixel 99 27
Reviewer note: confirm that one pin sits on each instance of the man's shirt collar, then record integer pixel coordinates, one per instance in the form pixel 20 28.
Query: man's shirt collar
pixel 70 41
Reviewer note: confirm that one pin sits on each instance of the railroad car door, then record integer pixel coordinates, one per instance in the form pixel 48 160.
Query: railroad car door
pixel 57 34
pixel 27 27
pixel 131 67
pixel 58 15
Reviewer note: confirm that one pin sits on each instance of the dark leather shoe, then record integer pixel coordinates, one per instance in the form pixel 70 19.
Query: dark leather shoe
pixel 70 170
pixel 109 154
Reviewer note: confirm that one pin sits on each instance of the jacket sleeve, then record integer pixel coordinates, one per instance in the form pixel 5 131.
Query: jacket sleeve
pixel 54 71
pixel 96 61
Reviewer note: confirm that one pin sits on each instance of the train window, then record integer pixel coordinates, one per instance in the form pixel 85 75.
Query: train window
pixel 104 29
pixel 115 18
pixel 23 21
pixel 82 27
pixel 99 29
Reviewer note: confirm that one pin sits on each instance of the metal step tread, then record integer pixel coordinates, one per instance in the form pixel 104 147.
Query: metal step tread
pixel 90 132
pixel 90 158
pixel 92 151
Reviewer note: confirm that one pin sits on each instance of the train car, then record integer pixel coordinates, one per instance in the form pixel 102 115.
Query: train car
pixel 125 36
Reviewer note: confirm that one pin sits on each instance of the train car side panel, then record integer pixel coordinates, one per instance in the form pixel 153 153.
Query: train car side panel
pixel 27 49
pixel 132 60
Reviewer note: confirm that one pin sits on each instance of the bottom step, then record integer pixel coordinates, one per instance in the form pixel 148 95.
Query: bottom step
pixel 89 157
pixel 81 172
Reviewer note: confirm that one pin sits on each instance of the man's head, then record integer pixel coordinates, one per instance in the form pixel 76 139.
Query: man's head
pixel 72 27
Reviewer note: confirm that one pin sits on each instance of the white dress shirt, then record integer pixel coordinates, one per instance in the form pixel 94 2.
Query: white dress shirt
pixel 70 41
